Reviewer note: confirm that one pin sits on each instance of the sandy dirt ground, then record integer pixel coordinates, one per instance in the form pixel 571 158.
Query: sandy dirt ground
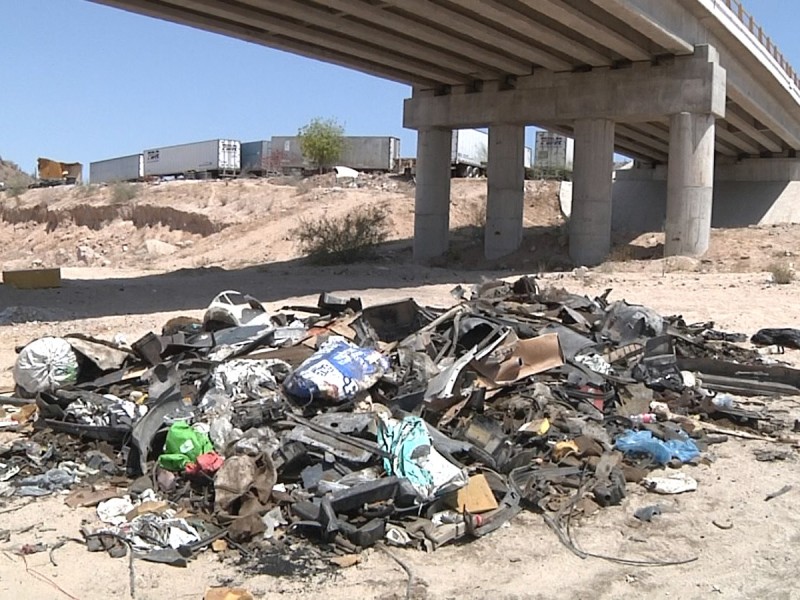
pixel 753 556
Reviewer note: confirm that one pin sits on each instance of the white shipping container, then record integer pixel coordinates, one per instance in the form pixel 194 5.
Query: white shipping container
pixel 554 151
pixel 122 168
pixel 470 147
pixel 213 157
pixel 370 153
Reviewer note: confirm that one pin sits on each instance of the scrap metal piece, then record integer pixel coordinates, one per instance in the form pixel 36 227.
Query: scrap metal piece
pixel 342 445
pixel 488 435
pixel 784 490
pixel 629 322
pixel 367 535
pixel 105 355
pixel 165 556
pixel 149 348
pixel 165 387
pixel 352 499
pixel 744 379
pixel 443 390
pixel 335 306
pixel 646 513
pixel 395 321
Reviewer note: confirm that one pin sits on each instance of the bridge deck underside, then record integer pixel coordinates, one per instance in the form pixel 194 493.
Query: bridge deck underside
pixel 427 42
pixel 440 43
pixel 736 136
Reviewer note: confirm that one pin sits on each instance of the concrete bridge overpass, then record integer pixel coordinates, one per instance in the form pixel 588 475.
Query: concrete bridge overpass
pixel 680 85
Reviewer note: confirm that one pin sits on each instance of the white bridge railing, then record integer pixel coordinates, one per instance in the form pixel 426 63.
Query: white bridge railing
pixel 747 19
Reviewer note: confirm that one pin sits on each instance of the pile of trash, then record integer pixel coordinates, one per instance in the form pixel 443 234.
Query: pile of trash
pixel 338 427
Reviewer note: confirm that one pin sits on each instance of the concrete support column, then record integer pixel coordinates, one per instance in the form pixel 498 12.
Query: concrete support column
pixel 432 203
pixel 690 184
pixel 590 221
pixel 506 190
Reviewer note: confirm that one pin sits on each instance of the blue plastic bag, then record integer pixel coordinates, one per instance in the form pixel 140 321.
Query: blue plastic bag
pixel 643 442
pixel 338 371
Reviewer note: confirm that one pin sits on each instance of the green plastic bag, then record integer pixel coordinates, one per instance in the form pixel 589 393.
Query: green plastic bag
pixel 183 446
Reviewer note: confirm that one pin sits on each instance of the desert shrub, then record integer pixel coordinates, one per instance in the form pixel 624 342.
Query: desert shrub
pixel 347 238
pixel 16 186
pixel 123 192
pixel 782 273
pixel 86 190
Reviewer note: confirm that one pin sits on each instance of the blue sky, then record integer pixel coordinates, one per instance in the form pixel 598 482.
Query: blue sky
pixel 81 81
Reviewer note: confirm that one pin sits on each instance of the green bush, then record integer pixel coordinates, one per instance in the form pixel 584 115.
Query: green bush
pixel 782 273
pixel 348 238
pixel 123 192
pixel 16 186
pixel 322 142
pixel 86 190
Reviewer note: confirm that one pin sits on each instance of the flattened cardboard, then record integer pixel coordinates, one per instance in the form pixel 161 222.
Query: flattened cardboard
pixel 528 357
pixel 475 497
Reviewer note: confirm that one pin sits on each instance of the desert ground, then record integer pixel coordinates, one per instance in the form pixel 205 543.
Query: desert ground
pixel 132 260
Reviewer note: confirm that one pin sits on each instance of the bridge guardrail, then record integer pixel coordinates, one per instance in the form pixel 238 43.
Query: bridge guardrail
pixel 737 8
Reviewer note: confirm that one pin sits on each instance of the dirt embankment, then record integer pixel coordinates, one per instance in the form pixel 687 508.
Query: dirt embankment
pixel 188 224
pixel 235 223
pixel 97 217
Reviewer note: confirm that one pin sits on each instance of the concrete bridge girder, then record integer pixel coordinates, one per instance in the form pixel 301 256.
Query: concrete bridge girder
pixel 512 45
pixel 579 21
pixel 487 60
pixel 746 126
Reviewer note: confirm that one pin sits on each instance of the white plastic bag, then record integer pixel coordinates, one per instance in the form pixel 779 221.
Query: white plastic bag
pixel 45 365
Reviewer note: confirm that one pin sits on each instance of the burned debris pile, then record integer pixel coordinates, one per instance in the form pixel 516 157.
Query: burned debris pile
pixel 337 427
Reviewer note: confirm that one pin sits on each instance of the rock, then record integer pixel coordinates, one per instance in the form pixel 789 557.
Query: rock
pixel 681 263
pixel 580 272
pixel 159 248
pixel 85 254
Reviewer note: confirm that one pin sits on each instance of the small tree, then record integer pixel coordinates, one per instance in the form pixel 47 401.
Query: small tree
pixel 322 142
